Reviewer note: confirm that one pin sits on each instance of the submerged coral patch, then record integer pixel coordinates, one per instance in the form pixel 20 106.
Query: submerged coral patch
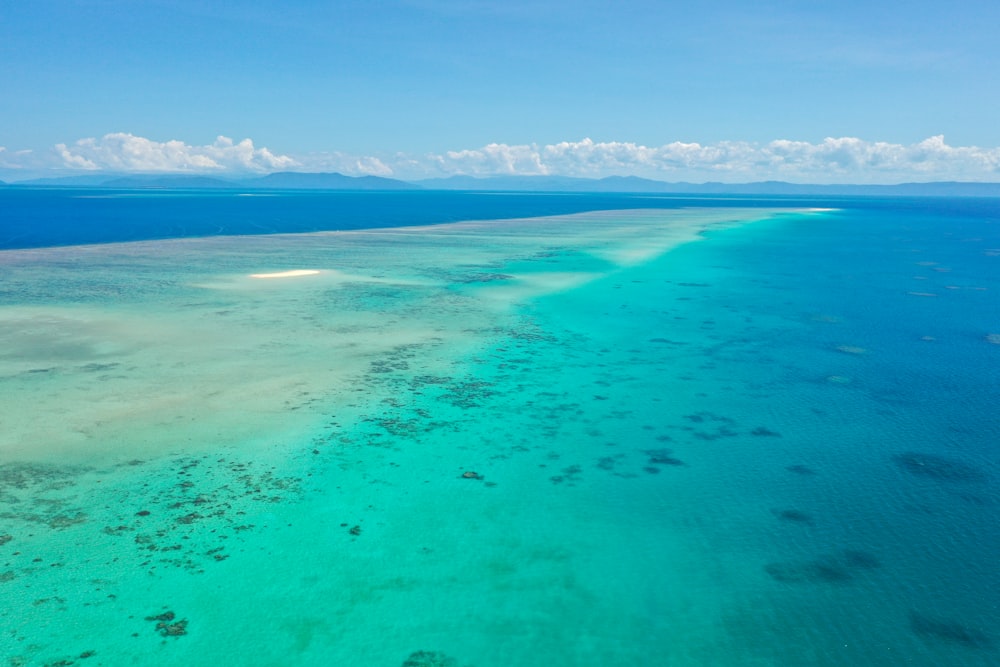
pixel 795 516
pixel 949 631
pixel 938 467
pixel 472 278
pixel 836 568
pixel 167 626
pixel 429 659
pixel 662 457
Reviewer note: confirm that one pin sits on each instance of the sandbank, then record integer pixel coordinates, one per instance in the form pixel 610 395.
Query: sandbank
pixel 295 273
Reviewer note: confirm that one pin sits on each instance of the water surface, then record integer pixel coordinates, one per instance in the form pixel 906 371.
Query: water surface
pixel 742 436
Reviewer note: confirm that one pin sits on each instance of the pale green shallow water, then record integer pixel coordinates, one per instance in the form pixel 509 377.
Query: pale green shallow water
pixel 258 421
pixel 279 462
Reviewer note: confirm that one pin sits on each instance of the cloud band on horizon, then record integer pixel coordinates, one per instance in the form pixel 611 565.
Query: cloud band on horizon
pixel 833 160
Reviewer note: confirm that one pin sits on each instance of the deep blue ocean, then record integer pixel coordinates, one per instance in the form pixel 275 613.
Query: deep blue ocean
pixel 39 217
pixel 574 440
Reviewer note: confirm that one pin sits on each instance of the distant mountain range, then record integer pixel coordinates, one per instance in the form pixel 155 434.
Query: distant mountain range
pixel 328 181
pixel 624 184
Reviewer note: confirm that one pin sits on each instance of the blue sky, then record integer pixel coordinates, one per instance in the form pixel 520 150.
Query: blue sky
pixel 857 91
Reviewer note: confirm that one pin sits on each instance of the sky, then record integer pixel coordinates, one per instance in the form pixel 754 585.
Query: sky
pixel 724 90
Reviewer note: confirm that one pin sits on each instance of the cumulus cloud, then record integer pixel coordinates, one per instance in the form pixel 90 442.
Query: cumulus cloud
pixel 493 159
pixel 17 160
pixel 831 160
pixel 370 166
pixel 121 151
pixel 6 160
pixel 344 163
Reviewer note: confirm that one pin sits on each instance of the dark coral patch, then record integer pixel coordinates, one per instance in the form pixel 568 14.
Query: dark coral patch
pixel 165 627
pixel 837 568
pixel 165 616
pixel 860 559
pixel 662 457
pixel 795 516
pixel 938 467
pixel 429 659
pixel 949 631
pixel 482 278
pixel 172 629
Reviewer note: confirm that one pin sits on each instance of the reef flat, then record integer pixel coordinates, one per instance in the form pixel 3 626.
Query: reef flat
pixel 605 438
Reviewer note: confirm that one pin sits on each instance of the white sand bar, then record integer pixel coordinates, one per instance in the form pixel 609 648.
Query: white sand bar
pixel 295 273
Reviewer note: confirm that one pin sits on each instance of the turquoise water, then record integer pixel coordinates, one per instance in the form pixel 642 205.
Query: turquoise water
pixel 657 437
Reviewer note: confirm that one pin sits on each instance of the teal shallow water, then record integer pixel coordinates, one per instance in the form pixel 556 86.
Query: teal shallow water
pixel 716 454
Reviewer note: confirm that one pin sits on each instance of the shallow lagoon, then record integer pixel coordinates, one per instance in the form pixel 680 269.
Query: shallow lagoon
pixel 684 453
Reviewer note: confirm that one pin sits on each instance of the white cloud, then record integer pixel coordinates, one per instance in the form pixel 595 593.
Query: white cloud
pixel 492 159
pixel 832 160
pixel 344 163
pixel 370 166
pixel 13 160
pixel 845 159
pixel 74 160
pixel 126 152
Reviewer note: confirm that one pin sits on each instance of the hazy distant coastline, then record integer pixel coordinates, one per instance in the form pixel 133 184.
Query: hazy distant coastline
pixel 612 184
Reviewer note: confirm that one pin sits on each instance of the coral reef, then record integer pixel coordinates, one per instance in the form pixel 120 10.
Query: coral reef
pixel 659 457
pixel 481 278
pixel 836 568
pixel 938 467
pixel 794 516
pixel 949 631
pixel 571 475
pixel 429 659
pixel 165 627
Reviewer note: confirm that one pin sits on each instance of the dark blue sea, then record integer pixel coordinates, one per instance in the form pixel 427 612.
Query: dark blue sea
pixel 471 429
